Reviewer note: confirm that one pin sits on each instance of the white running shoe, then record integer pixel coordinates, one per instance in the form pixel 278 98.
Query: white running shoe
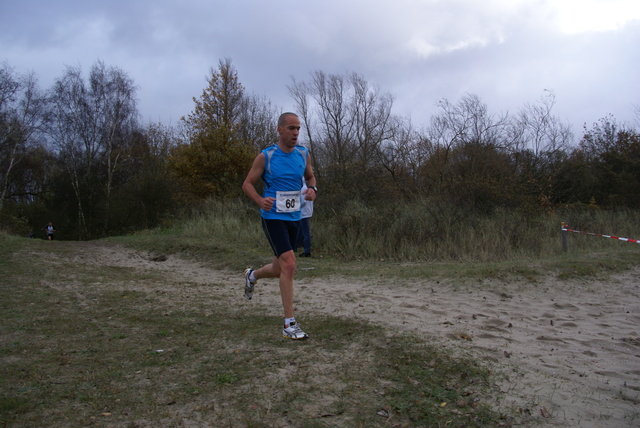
pixel 293 331
pixel 248 285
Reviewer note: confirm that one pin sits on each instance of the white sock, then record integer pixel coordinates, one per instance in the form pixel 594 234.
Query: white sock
pixel 288 321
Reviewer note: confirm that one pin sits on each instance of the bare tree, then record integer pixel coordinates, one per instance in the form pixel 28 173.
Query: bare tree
pixel 539 145
pixel 113 95
pixel 336 122
pixel 256 122
pixel 301 92
pixel 91 129
pixel 22 115
pixel 402 156
pixel 373 119
pixel 347 121
pixel 538 130
pixel 465 129
pixel 75 143
pixel 149 192
pixel 467 121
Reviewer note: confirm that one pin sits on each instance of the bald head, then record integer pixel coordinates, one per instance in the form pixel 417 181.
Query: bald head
pixel 283 117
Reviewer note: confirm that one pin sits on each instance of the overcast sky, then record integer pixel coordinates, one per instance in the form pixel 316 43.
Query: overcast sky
pixel 506 51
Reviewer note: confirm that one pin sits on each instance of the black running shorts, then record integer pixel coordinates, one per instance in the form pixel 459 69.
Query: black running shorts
pixel 281 234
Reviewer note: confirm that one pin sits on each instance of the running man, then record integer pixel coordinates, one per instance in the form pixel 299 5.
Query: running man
pixel 281 168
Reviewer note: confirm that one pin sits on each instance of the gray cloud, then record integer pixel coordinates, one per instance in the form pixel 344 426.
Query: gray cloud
pixel 508 52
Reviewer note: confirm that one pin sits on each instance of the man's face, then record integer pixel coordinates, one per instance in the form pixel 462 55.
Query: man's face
pixel 289 131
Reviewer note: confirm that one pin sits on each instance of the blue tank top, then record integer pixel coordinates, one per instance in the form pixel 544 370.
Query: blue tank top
pixel 283 174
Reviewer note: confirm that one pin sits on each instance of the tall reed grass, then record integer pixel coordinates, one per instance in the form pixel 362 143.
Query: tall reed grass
pixel 420 232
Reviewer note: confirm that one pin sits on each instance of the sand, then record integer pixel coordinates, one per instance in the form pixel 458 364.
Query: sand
pixel 570 350
pixel 566 352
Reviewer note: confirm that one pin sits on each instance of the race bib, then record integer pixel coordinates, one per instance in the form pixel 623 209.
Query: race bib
pixel 288 202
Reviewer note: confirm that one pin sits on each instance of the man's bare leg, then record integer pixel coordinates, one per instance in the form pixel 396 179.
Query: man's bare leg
pixel 284 269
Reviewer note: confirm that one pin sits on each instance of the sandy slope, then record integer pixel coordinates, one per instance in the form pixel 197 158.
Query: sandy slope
pixel 569 350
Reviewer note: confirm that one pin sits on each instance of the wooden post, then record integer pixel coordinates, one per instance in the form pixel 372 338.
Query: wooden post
pixel 565 245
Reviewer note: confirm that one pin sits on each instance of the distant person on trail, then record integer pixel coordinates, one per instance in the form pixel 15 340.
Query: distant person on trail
pixel 49 229
pixel 282 168
pixel 305 224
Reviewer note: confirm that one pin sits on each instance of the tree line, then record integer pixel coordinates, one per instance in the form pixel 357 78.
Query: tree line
pixel 77 154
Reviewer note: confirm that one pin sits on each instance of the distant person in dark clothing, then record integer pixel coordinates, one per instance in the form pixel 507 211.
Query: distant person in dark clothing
pixel 49 229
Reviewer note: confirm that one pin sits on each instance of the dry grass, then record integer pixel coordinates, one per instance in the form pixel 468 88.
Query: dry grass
pixel 85 343
pixel 89 343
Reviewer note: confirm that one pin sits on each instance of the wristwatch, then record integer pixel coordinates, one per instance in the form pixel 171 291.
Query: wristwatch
pixel 315 189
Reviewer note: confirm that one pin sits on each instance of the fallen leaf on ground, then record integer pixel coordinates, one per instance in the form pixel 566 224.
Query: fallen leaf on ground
pixel 544 412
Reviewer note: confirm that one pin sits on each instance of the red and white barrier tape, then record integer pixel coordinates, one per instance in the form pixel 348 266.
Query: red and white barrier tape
pixel 564 229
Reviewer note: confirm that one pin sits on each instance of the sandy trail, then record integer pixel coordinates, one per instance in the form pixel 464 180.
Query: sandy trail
pixel 569 350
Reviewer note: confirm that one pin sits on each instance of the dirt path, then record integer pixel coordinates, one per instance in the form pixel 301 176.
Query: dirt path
pixel 569 350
